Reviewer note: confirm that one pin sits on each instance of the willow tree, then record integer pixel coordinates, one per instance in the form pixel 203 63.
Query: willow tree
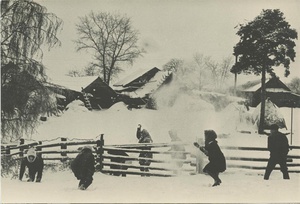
pixel 265 42
pixel 111 40
pixel 25 28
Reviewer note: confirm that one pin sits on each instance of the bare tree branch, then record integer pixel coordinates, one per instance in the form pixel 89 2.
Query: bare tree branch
pixel 111 40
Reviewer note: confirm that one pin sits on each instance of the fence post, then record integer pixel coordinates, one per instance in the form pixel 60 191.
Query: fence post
pixel 7 150
pixel 22 141
pixel 100 151
pixel 63 147
pixel 39 148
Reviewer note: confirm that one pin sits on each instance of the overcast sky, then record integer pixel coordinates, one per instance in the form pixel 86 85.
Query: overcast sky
pixel 168 28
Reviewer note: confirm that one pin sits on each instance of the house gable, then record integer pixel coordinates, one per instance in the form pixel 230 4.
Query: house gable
pixel 138 78
pixel 276 90
pixel 101 95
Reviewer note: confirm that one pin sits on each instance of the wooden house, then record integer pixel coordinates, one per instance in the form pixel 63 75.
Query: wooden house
pixel 136 89
pixel 95 93
pixel 135 80
pixel 276 91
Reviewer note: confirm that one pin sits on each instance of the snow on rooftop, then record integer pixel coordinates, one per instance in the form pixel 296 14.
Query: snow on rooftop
pixel 133 76
pixel 74 83
pixel 256 87
pixel 151 86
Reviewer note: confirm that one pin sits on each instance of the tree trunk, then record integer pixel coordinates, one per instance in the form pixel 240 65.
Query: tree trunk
pixel 235 80
pixel 263 101
pixel 235 76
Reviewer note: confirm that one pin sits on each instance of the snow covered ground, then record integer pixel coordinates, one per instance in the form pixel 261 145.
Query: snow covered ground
pixel 119 125
pixel 237 187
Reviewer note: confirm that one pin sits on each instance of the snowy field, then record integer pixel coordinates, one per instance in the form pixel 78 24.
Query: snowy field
pixel 237 187
pixel 119 125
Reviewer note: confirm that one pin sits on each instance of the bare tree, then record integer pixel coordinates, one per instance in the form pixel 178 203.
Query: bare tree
pixel 74 73
pixel 25 27
pixel 225 69
pixel 214 69
pixel 111 40
pixel 219 71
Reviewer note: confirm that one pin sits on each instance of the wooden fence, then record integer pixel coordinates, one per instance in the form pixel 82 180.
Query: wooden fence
pixel 124 159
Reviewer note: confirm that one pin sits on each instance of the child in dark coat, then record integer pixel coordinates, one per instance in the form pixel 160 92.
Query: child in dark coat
pixel 217 162
pixel 35 165
pixel 83 167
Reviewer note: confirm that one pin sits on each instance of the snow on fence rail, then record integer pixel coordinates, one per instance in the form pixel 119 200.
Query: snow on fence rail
pixel 123 159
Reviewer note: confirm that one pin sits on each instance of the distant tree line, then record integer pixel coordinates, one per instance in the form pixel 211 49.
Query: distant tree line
pixel 200 73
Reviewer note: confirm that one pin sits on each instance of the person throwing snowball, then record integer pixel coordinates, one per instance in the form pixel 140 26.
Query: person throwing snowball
pixel 217 162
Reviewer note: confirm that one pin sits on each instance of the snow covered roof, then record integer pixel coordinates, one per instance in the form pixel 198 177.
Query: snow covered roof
pixel 253 88
pixel 74 83
pixel 276 86
pixel 151 86
pixel 277 90
pixel 134 76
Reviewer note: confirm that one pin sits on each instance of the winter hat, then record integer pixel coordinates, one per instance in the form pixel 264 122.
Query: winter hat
pixel 31 153
pixel 87 147
pixel 274 127
pixel 210 134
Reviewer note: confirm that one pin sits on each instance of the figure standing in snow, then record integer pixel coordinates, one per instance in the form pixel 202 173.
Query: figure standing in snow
pixel 35 165
pixel 83 167
pixel 217 162
pixel 279 147
pixel 177 150
pixel 144 137
pixel 118 160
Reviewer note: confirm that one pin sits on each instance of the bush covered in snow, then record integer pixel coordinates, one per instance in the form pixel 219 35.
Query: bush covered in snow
pixel 9 167
pixel 272 115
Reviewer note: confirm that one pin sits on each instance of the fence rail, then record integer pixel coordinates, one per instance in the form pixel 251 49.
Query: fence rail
pixel 113 159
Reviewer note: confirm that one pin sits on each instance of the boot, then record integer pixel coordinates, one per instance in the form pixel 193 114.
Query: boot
pixel 216 178
pixel 267 174
pixel 217 183
pixel 286 175
pixel 82 187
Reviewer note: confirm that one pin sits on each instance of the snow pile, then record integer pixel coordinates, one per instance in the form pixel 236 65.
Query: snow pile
pixel 236 116
pixel 166 96
pixel 171 96
pixel 76 106
pixel 218 100
pixel 191 103
pixel 120 106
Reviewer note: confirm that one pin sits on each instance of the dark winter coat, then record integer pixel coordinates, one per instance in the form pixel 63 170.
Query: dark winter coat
pixel 34 167
pixel 83 166
pixel 144 137
pixel 278 145
pixel 118 160
pixel 216 158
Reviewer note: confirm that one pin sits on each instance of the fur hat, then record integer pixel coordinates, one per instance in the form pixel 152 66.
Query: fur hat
pixel 210 134
pixel 274 127
pixel 31 153
pixel 87 148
